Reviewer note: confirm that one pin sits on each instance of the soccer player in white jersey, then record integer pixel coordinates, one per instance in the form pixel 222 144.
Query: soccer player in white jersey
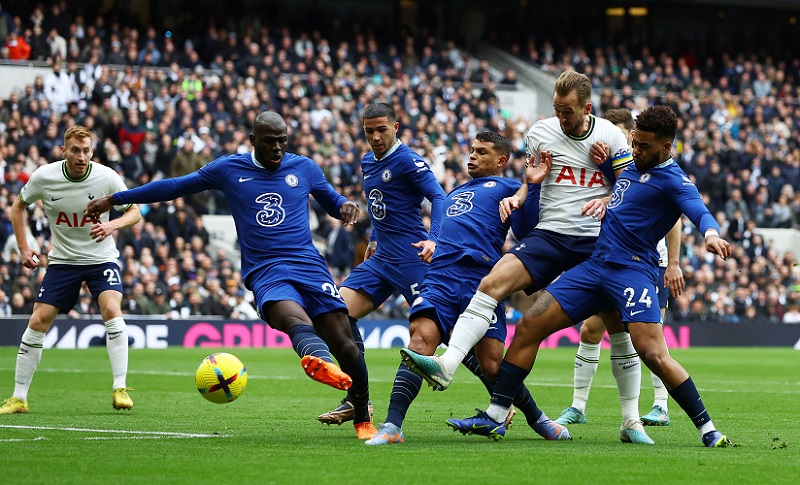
pixel 82 250
pixel 592 330
pixel 570 210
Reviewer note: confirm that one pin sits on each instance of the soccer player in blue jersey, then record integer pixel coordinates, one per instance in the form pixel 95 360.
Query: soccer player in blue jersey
pixel 470 243
pixel 267 190
pixel 396 180
pixel 569 222
pixel 621 274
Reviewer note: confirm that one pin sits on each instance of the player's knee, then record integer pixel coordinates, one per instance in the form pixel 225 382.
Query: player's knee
pixel 592 331
pixel 424 338
pixel 490 367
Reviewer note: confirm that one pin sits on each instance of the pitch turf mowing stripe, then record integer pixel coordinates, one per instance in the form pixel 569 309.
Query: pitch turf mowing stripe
pixel 119 431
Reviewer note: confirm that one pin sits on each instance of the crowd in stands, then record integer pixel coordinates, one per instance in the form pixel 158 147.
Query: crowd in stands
pixel 161 106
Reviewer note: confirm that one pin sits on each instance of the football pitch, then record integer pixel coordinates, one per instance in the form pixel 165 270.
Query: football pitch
pixel 271 435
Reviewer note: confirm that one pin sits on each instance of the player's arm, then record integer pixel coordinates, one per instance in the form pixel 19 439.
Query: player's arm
pixel 157 191
pixel 372 245
pixel 525 219
pixel 101 230
pixel 332 201
pixel 673 278
pixel 427 184
pixel 533 175
pixel 690 203
pixel 19 216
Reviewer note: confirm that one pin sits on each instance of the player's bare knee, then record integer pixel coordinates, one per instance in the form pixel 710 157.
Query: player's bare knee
pixel 592 331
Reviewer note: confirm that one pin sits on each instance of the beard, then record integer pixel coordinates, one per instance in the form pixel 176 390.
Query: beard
pixel 644 165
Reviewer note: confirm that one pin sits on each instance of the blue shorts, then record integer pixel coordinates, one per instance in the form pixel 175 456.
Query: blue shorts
pixel 594 286
pixel 445 295
pixel 547 254
pixel 379 279
pixel 663 291
pixel 309 284
pixel 61 285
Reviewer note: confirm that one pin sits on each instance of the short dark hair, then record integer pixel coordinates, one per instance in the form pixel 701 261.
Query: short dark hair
pixel 659 120
pixel 496 139
pixel 620 116
pixel 570 81
pixel 379 110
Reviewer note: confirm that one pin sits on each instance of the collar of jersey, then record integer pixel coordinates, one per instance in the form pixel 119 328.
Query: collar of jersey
pixel 588 132
pixel 396 145
pixel 664 163
pixel 64 171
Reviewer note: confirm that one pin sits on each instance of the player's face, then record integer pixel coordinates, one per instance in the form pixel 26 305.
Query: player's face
pixel 78 153
pixel 649 151
pixel 269 144
pixel 484 159
pixel 571 113
pixel 381 134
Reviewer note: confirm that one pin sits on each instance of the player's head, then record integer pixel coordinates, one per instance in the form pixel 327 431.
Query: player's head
pixel 77 151
pixel 623 119
pixel 380 127
pixel 488 154
pixel 572 101
pixel 655 131
pixel 269 139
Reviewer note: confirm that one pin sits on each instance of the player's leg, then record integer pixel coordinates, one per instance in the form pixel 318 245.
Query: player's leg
pixel 659 414
pixel 29 356
pixel 648 338
pixel 586 361
pixel 334 328
pixel 627 370
pixel 425 338
pixel 489 353
pixel 506 277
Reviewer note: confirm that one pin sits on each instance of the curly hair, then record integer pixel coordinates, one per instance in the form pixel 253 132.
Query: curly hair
pixel 659 120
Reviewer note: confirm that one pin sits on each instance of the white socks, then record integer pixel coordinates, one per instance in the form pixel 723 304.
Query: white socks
pixel 28 358
pixel 628 372
pixel 660 393
pixel 470 327
pixel 117 346
pixel 585 367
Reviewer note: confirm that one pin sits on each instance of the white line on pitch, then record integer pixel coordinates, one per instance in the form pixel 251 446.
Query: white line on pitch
pixel 119 431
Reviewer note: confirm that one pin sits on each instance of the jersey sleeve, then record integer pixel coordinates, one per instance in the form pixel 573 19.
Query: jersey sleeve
pixel 620 153
pixel 687 197
pixel 323 191
pixel 165 189
pixel 525 219
pixel 423 179
pixel 116 184
pixel 33 190
pixel 533 151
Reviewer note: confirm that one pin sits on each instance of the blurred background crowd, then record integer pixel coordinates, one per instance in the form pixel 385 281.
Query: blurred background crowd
pixel 164 98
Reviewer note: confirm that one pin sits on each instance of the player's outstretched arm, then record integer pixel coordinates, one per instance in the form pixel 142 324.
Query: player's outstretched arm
pixel 717 245
pixel 28 256
pixel 101 230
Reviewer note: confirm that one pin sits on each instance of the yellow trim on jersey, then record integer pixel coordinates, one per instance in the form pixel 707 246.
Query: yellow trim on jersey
pixel 621 162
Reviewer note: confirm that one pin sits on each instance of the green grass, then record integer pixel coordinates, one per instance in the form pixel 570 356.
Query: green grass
pixel 270 435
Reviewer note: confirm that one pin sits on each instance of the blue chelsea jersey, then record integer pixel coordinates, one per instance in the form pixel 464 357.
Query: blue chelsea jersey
pixel 644 207
pixel 394 187
pixel 269 208
pixel 471 226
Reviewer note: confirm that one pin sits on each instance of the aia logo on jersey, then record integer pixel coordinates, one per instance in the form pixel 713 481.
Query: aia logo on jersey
pixel 291 180
pixel 582 177
pixel 71 220
pixel 386 175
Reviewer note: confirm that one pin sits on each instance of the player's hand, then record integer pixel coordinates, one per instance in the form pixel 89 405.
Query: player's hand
pixel 349 213
pixel 101 230
pixel 718 246
pixel 537 174
pixel 595 208
pixel 673 279
pixel 372 246
pixel 29 257
pixel 507 206
pixel 98 206
pixel 426 248
pixel 599 152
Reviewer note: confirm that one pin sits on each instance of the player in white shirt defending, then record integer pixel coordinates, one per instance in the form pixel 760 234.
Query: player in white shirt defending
pixel 82 250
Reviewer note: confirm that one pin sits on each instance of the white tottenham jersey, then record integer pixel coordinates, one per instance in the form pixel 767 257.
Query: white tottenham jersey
pixel 574 178
pixel 64 200
pixel 663 257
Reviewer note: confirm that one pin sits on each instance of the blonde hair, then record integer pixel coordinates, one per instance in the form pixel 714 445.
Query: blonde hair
pixel 570 81
pixel 77 131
